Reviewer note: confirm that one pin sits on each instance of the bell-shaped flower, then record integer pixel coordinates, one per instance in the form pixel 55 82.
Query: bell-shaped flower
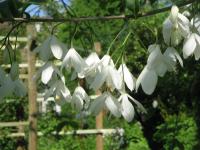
pixel 90 68
pixel 156 60
pixel 127 108
pixel 106 72
pixel 192 46
pixel 97 64
pixel 148 80
pixel 47 72
pixel 80 99
pixel 92 59
pixel 171 56
pixel 92 62
pixel 60 92
pixel 49 48
pixel 157 65
pixel 73 59
pixel 175 27
pixel 127 77
pixel 106 99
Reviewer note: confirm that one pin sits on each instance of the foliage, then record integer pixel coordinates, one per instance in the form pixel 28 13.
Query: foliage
pixel 179 132
pixel 133 137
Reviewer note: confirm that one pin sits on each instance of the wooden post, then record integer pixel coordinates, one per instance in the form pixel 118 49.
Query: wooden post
pixel 99 117
pixel 32 91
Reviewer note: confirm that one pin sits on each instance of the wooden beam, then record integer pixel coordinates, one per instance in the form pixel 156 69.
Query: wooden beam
pixel 99 117
pixel 32 91
pixel 19 39
pixel 104 132
pixel 13 124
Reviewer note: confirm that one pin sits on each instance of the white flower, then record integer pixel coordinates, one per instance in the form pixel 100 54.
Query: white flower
pixel 127 77
pixel 157 65
pixel 92 62
pixel 175 27
pixel 171 57
pixel 49 48
pixel 192 46
pixel 106 72
pixel 156 60
pixel 89 71
pixel 80 99
pixel 127 108
pixel 58 109
pixel 60 92
pixel 48 71
pixel 73 59
pixel 106 99
pixel 148 80
pixel 92 59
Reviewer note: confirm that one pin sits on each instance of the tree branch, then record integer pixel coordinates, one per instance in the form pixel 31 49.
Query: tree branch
pixel 96 18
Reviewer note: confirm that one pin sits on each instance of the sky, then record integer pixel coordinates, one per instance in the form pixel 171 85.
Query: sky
pixel 36 10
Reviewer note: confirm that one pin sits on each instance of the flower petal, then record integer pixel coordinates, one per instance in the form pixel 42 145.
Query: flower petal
pixel 82 95
pixel 174 13
pixel 47 73
pixel 114 80
pixel 189 46
pixel 161 69
pixel 73 59
pixel 113 105
pixel 92 59
pixel 184 25
pixel 56 47
pixel 167 29
pixel 128 111
pixel 97 105
pixel 64 91
pixel 50 91
pixel 139 105
pixel 99 79
pixel 44 50
pixel 154 58
pixel 128 77
pixel 148 80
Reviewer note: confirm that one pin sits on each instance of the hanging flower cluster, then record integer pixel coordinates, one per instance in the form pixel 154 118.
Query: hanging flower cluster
pixel 176 28
pixel 101 74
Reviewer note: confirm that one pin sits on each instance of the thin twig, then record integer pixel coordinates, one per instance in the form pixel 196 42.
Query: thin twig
pixel 96 18
pixel 4 40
